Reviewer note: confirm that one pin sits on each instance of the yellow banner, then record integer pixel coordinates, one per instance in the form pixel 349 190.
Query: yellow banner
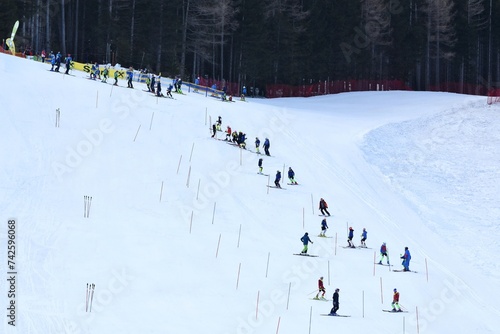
pixel 87 68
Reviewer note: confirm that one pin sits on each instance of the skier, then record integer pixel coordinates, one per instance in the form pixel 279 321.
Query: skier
pixel 43 56
pixel 130 76
pixel 116 78
pixel 364 235
pixel 152 85
pixel 266 146
pixel 105 74
pixel 350 236
pixel 241 140
pixel 219 124
pixel 53 62
pixel 158 89
pixel 395 302
pixel 277 179
pixel 228 133
pixel 291 176
pixel 335 298
pixel 406 260
pixel 383 252
pixel 214 130
pixel 169 91
pixel 305 240
pixel 148 84
pixel 321 288
pixel 235 137
pixel 257 144
pixel 68 63
pixel 323 207
pixel 179 84
pixel 58 61
pixel 324 227
pixel 260 166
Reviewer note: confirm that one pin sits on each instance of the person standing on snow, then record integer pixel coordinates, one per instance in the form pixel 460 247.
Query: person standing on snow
pixel 350 236
pixel 214 130
pixel 105 74
pixel 130 76
pixel 116 78
pixel 383 252
pixel 266 146
pixel 219 124
pixel 277 179
pixel 228 133
pixel 323 207
pixel 305 241
pixel 68 63
pixel 336 303
pixel 260 166
pixel 257 144
pixel 291 176
pixel 321 288
pixel 324 227
pixel 406 260
pixel 395 302
pixel 364 235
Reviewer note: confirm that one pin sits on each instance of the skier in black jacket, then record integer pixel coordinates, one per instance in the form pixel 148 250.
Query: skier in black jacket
pixel 335 307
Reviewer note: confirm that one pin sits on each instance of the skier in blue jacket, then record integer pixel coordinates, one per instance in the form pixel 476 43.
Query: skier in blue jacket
pixel 350 236
pixel 406 260
pixel 324 227
pixel 130 76
pixel 305 240
pixel 364 235
pixel 266 146
pixel 277 179
pixel 257 144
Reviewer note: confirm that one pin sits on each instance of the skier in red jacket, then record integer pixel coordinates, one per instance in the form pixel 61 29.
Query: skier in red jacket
pixel 323 207
pixel 321 288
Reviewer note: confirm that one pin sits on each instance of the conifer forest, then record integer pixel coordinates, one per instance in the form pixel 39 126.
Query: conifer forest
pixel 423 43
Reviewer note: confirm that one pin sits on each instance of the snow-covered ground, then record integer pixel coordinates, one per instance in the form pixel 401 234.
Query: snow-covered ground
pixel 185 237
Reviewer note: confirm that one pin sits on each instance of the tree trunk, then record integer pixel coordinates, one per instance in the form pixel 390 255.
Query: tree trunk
pixel 63 26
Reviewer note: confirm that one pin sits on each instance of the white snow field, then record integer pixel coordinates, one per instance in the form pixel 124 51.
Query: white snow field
pixel 183 236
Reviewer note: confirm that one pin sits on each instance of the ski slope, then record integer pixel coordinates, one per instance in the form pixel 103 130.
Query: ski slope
pixel 183 235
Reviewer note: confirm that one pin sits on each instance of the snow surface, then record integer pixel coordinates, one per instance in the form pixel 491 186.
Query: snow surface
pixel 185 237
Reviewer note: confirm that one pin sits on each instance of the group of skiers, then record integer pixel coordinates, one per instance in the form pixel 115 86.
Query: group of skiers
pixel 153 84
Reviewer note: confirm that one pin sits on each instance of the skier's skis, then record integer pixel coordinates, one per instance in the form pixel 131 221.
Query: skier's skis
pixel 263 174
pixel 305 254
pixel 404 271
pixel 381 264
pixel 323 236
pixel 293 184
pixel 321 299
pixel 336 315
pixel 391 311
pixel 276 187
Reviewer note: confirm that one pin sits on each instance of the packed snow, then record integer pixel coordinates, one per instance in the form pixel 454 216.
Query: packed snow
pixel 183 235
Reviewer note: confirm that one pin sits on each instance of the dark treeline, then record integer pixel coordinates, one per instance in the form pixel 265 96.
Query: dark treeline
pixel 422 42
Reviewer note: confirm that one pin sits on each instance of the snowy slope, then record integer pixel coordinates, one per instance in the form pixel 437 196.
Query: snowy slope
pixel 184 236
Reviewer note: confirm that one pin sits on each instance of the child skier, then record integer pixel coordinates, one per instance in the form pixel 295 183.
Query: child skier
pixel 324 227
pixel 105 74
pixel 350 236
pixel 321 288
pixel 364 235
pixel 291 176
pixel 257 144
pixel 260 166
pixel 383 252
pixel 395 302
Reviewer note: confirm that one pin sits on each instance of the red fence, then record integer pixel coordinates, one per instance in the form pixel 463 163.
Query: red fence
pixel 493 95
pixel 333 87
